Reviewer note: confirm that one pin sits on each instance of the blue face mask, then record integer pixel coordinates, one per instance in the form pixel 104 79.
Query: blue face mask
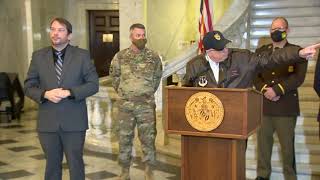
pixel 278 35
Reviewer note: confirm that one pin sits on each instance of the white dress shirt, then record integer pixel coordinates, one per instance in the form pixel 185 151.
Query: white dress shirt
pixel 214 67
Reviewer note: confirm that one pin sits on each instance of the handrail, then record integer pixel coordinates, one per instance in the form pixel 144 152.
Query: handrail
pixel 179 62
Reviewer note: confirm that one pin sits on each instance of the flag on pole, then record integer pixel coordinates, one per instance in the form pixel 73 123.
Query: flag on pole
pixel 205 21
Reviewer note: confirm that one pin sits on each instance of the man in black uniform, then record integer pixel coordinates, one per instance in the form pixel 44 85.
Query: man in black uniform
pixel 280 104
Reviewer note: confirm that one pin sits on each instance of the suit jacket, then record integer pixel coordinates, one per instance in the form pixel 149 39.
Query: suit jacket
pixel 239 69
pixel 284 80
pixel 78 74
pixel 316 84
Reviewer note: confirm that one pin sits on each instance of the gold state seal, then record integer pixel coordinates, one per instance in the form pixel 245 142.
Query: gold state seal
pixel 204 111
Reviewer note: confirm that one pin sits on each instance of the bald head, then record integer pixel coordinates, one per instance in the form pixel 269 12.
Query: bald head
pixel 279 23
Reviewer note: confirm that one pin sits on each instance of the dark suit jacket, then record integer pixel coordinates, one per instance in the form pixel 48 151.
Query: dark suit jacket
pixel 239 69
pixel 79 75
pixel 284 80
pixel 316 84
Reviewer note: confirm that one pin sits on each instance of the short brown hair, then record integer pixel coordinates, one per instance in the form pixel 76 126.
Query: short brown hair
pixel 137 25
pixel 64 22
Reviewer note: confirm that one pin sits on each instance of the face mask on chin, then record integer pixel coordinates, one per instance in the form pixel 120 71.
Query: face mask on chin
pixel 278 36
pixel 140 43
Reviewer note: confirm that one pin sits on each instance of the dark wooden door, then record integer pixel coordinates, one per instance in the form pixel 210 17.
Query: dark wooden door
pixel 102 26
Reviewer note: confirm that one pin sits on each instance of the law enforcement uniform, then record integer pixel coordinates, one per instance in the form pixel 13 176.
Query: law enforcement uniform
pixel 279 116
pixel 136 77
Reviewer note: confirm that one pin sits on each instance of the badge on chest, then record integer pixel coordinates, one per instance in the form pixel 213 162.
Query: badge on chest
pixel 202 81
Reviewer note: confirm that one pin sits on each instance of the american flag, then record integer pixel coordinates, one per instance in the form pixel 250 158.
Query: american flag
pixel 205 21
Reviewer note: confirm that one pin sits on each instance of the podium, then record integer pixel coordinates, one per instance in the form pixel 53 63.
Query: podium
pixel 218 154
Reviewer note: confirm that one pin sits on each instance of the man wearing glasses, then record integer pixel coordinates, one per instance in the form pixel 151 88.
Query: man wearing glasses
pixel 280 104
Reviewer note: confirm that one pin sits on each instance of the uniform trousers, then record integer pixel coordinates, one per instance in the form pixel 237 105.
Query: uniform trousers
pixel 284 127
pixel 141 115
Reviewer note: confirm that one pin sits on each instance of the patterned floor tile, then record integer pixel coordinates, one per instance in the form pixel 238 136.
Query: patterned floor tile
pixel 38 157
pixel 27 131
pixel 22 148
pixel 7 141
pixel 15 174
pixel 30 164
pixel 100 175
pixel 2 163
pixel 101 155
pixel 11 126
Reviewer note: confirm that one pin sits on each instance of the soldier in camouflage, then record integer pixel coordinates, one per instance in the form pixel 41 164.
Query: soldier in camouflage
pixel 136 73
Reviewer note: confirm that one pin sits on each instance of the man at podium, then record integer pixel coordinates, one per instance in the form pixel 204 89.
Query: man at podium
pixel 225 67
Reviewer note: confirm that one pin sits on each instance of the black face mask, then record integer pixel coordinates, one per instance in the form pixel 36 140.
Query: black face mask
pixel 278 36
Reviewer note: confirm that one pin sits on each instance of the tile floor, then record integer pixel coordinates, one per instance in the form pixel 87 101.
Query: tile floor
pixel 21 157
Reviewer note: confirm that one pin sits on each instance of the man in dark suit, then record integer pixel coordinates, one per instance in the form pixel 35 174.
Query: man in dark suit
pixel 279 86
pixel 60 77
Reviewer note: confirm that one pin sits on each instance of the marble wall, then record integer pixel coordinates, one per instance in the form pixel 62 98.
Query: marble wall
pixel 131 11
pixel 13 44
pixel 24 28
pixel 219 8
pixel 172 26
pixel 42 12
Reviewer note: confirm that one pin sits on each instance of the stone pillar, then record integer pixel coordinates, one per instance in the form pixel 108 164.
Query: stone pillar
pixel 131 11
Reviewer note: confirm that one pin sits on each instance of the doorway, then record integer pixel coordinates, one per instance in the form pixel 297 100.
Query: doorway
pixel 103 38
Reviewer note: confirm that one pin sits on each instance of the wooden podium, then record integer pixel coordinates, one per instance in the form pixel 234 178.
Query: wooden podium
pixel 218 154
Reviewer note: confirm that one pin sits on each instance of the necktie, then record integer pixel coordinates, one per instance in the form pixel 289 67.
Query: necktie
pixel 58 66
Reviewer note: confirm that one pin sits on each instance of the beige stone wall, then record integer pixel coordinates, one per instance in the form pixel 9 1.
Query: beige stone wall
pixel 219 8
pixel 172 26
pixel 13 54
pixel 131 11
pixel 42 12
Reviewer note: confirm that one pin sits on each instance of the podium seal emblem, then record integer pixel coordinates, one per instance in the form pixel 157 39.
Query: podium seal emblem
pixel 204 111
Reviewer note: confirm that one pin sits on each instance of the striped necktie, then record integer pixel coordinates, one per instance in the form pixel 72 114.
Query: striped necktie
pixel 58 66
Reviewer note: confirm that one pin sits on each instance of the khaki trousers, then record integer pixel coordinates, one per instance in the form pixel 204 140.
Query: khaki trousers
pixel 284 127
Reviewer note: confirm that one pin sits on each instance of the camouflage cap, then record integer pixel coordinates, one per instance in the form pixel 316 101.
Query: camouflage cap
pixel 214 40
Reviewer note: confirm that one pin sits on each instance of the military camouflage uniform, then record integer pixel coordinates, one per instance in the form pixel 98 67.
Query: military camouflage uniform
pixel 136 77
